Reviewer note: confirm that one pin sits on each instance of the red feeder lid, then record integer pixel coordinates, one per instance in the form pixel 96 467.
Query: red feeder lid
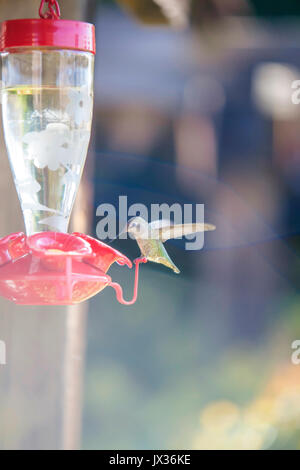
pixel 54 33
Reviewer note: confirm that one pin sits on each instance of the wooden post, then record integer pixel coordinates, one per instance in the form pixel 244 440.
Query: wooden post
pixel 40 385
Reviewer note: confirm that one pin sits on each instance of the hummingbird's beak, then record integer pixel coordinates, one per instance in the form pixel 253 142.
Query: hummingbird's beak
pixel 125 229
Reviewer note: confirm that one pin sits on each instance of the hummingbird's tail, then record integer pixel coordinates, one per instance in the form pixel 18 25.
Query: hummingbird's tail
pixel 166 261
pixel 176 270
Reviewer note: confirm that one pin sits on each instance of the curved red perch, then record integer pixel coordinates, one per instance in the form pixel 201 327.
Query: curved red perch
pixel 119 290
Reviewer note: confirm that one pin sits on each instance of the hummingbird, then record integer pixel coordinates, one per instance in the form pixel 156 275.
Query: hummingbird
pixel 151 237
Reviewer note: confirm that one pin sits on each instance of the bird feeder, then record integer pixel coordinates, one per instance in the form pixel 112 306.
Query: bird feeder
pixel 47 104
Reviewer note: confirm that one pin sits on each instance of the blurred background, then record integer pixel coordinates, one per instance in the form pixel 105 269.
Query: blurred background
pixel 200 112
pixel 193 105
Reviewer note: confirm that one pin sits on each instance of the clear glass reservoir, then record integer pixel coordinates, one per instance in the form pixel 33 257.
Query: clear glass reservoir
pixel 47 103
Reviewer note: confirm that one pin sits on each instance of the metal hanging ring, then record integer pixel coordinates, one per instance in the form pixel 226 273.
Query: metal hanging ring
pixel 52 12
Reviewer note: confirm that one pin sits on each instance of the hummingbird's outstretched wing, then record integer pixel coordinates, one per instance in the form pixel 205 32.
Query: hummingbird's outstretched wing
pixel 160 223
pixel 177 231
pixel 156 226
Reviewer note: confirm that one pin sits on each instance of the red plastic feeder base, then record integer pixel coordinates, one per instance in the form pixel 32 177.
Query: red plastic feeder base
pixel 51 268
